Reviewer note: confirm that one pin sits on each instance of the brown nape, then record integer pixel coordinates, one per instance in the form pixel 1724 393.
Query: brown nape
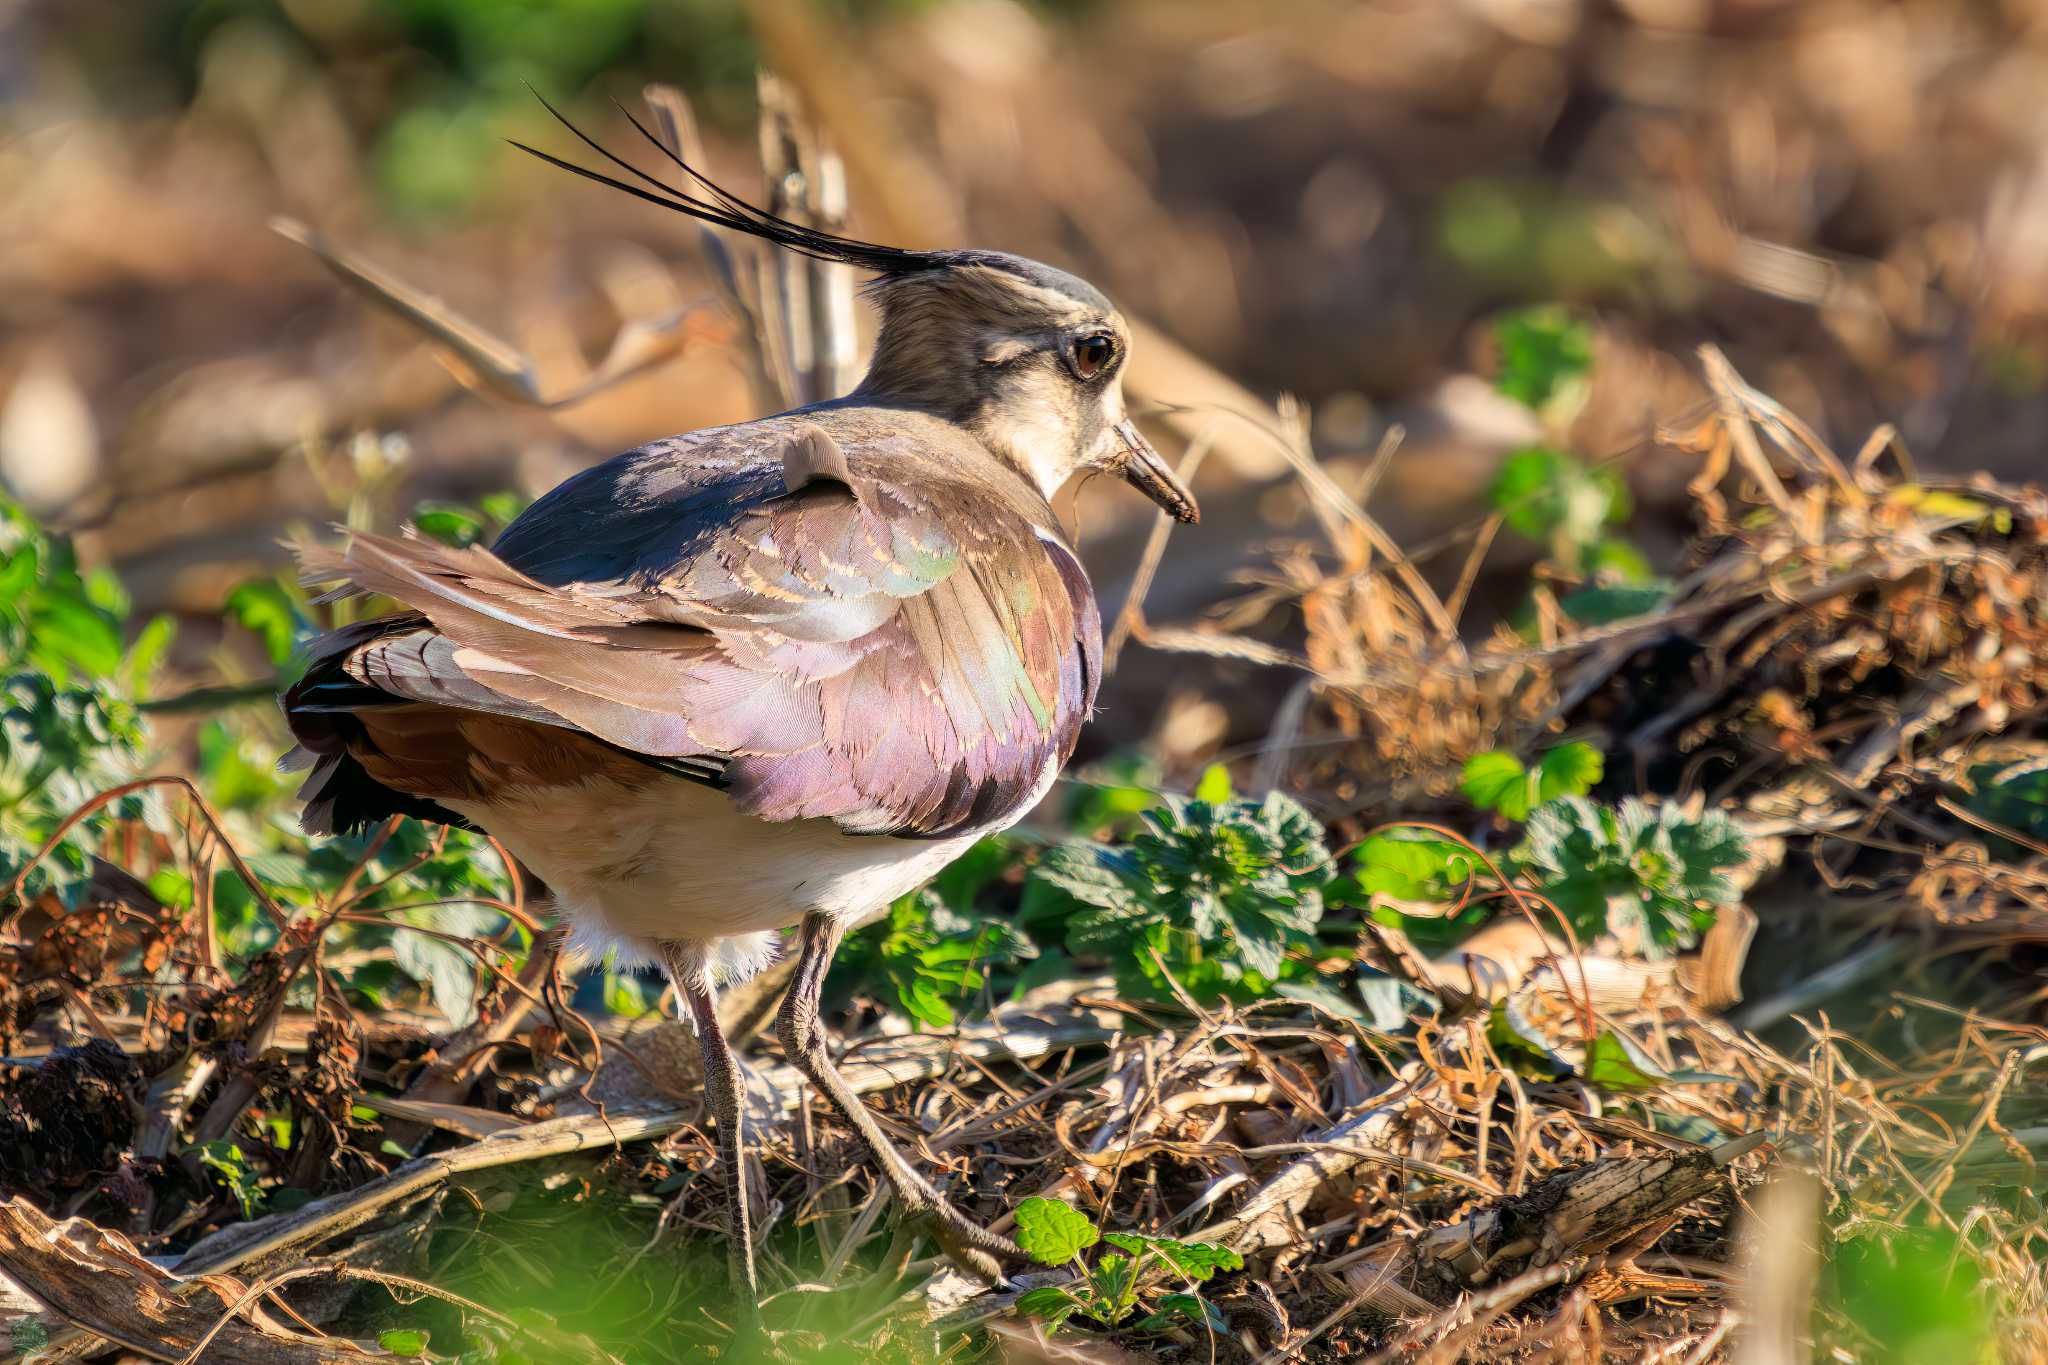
pixel 441 754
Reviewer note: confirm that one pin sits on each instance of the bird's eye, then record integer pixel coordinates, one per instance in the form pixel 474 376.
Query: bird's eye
pixel 1092 353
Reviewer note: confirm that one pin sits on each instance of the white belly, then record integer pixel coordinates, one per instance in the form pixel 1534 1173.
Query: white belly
pixel 673 862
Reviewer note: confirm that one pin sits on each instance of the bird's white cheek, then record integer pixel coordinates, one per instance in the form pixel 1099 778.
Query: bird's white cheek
pixel 1045 448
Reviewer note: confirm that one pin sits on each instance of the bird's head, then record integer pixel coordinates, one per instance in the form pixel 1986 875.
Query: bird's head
pixel 1028 358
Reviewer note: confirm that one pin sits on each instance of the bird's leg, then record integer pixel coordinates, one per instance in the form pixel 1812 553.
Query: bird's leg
pixel 970 1246
pixel 722 1087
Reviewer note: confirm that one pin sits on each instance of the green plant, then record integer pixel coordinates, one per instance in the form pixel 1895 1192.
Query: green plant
pixel 1416 881
pixel 927 956
pixel 2013 796
pixel 1654 870
pixel 463 526
pixel 1498 781
pixel 1557 499
pixel 1544 352
pixel 230 1166
pixel 62 623
pixel 69 727
pixel 1222 898
pixel 1056 1233
pixel 1638 594
pixel 933 949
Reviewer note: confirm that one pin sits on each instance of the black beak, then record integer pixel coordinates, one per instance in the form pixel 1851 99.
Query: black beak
pixel 1145 471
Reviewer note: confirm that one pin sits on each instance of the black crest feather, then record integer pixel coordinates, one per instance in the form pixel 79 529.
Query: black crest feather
pixel 728 210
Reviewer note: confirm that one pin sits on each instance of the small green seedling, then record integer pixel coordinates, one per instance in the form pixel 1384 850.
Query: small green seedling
pixel 1498 781
pixel 1056 1233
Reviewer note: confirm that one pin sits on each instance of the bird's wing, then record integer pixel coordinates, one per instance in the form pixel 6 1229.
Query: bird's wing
pixel 901 657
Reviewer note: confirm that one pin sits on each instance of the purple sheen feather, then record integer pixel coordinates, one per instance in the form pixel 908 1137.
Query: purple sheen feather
pixel 772 718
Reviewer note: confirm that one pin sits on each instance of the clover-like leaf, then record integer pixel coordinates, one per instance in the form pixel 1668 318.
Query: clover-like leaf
pixel 1568 770
pixel 1547 495
pixel 1497 780
pixel 1053 1232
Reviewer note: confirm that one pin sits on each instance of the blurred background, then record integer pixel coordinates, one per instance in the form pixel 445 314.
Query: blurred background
pixel 1325 200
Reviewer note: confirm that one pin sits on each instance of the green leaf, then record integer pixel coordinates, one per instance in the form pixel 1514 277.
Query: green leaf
pixel 1521 1045
pixel 171 888
pixel 445 970
pixel 1115 1282
pixel 1543 350
pixel 231 1167
pixel 232 773
pixel 1618 561
pixel 1053 1302
pixel 70 635
pixel 263 606
pixel 928 957
pixel 1317 995
pixel 152 642
pixel 1619 602
pixel 1220 900
pixel 403 1341
pixel 1569 770
pixel 1052 1232
pixel 1108 797
pixel 923 1001
pixel 1496 780
pixel 1386 1000
pixel 1918 1295
pixel 1610 1066
pixel 1547 495
pixel 449 524
pixel 1617 1062
pixel 1177 1310
pixel 2013 796
pixel 1411 866
pixel 626 994
pixel 1215 785
pixel 503 506
pixel 1662 871
pixel 1195 1261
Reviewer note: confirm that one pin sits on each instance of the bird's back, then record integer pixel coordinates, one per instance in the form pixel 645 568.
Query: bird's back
pixel 846 613
pixel 649 511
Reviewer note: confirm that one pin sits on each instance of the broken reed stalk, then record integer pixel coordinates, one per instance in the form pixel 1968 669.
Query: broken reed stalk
pixel 722 251
pixel 806 184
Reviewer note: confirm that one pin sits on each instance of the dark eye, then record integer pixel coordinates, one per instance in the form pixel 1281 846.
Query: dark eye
pixel 1092 354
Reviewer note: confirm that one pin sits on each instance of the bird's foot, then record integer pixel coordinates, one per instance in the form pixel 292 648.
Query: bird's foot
pixel 967 1244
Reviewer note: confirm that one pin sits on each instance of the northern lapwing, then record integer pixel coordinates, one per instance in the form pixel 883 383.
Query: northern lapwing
pixel 767 675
